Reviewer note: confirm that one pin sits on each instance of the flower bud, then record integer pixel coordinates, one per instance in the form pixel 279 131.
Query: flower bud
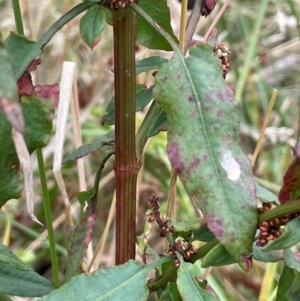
pixel 207 7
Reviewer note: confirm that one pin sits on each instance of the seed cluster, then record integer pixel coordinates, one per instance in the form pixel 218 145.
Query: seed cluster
pixel 270 230
pixel 162 221
pixel 115 4
pixel 222 51
pixel 184 247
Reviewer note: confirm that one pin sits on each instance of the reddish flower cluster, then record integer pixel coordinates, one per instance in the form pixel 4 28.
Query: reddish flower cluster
pixel 222 51
pixel 162 221
pixel 185 248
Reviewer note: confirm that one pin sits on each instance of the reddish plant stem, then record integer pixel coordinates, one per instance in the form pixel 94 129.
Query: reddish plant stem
pixel 216 20
pixel 126 163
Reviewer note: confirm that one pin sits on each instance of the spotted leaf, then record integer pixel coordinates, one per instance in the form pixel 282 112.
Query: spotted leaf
pixel 203 148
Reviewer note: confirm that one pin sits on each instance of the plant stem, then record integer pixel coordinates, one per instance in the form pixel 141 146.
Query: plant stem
pixel 192 25
pixel 262 132
pixel 126 163
pixel 98 175
pixel 31 233
pixel 182 24
pixel 268 281
pixel 216 20
pixel 162 281
pixel 170 273
pixel 66 18
pixel 44 40
pixel 287 208
pixel 48 217
pixel 18 17
pixel 46 201
pixel 201 252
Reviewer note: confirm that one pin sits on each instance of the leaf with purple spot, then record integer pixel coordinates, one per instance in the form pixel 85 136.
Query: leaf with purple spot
pixel 291 259
pixel 203 148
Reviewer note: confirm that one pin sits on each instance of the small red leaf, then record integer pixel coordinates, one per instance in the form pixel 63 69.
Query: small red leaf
pixel 290 189
pixel 25 85
pixel 49 92
pixel 27 88
pixel 34 64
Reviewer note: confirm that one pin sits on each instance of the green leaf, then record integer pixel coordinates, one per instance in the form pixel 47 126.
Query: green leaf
pixel 92 25
pixel 164 267
pixel 170 293
pixel 149 63
pixel 8 85
pixel 217 256
pixel 292 259
pixel 188 285
pixel 160 124
pixel 153 253
pixel 9 97
pixel 203 234
pixel 37 115
pixel 271 256
pixel 79 236
pixel 124 281
pixel 289 237
pixel 147 35
pixel 8 257
pixel 23 283
pixel 143 97
pixel 108 16
pixel 289 285
pixel 22 53
pixel 105 142
pixel 266 195
pixel 203 147
pixel 185 224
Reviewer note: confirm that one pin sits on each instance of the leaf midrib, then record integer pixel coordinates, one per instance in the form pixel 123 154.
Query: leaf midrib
pixel 202 123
